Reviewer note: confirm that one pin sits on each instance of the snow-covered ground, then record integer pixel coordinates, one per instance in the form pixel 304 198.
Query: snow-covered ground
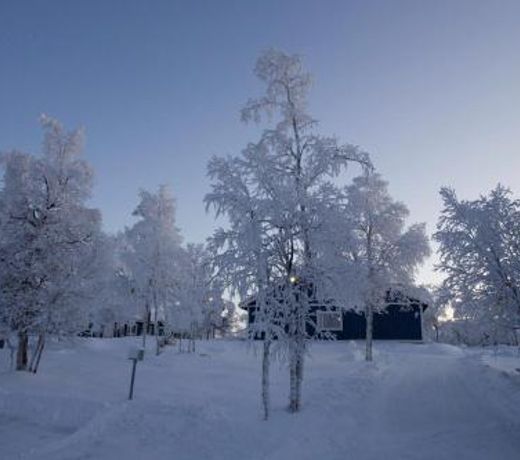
pixel 417 401
pixel 501 357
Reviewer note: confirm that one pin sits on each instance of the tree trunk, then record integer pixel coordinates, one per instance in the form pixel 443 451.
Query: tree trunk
pixel 36 351
pixel 296 357
pixel 421 313
pixel 146 323
pixel 266 362
pixel 39 351
pixel 299 377
pixel 156 325
pixel 192 339
pixel 33 355
pixel 21 353
pixel 157 339
pixel 293 383
pixel 369 307
pixel 369 314
pixel 12 351
pixel 144 339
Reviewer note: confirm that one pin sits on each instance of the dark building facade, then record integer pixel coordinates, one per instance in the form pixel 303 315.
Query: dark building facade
pixel 398 321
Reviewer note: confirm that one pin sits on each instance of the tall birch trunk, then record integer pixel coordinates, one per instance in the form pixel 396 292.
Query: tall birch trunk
pixel 299 377
pixel 421 314
pixel 296 359
pixel 293 400
pixel 33 355
pixel 296 356
pixel 192 339
pixel 369 314
pixel 156 333
pixel 12 351
pixel 39 352
pixel 369 306
pixel 146 324
pixel 21 352
pixel 36 352
pixel 266 363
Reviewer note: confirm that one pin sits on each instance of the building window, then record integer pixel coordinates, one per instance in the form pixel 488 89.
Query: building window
pixel 329 321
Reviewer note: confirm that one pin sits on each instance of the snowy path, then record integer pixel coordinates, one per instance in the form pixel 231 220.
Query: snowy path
pixel 443 406
pixel 415 402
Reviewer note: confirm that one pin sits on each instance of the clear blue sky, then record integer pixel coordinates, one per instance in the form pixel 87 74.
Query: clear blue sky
pixel 431 88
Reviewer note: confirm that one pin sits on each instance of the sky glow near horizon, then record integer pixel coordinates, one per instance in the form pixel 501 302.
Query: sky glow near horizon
pixel 430 89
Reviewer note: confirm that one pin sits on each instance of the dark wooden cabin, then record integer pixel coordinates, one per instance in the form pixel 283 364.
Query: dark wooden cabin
pixel 400 320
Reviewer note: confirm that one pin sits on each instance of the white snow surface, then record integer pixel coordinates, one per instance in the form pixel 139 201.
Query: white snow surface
pixel 504 358
pixel 416 401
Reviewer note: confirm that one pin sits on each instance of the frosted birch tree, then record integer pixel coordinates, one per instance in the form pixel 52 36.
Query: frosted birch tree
pixel 49 239
pixel 244 253
pixel 112 297
pixel 479 248
pixel 151 256
pixel 198 303
pixel 278 187
pixel 380 252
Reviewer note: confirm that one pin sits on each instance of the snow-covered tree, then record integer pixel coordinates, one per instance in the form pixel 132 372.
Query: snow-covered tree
pixel 151 256
pixel 437 313
pixel 198 305
pixel 245 254
pixel 272 195
pixel 231 319
pixel 49 239
pixel 479 248
pixel 380 252
pixel 112 297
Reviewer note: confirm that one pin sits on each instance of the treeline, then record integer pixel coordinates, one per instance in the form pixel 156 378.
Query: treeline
pixel 59 272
